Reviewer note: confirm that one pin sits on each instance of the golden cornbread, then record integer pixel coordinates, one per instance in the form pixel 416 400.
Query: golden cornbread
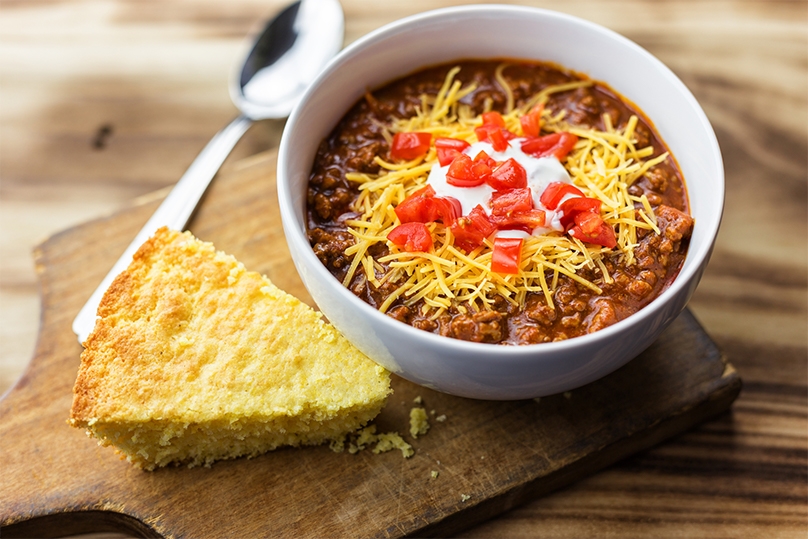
pixel 195 359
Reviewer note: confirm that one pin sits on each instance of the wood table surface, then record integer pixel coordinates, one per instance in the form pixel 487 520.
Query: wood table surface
pixel 104 101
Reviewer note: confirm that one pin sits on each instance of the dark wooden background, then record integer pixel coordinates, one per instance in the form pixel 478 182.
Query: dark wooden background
pixel 105 101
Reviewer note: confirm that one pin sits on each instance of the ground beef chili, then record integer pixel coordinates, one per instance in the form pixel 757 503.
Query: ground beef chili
pixel 357 139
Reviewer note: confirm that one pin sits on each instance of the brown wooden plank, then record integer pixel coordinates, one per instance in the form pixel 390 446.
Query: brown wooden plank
pixel 498 454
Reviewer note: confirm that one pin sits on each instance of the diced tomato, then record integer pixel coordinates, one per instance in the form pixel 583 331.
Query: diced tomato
pixel 589 222
pixel 556 144
pixel 526 221
pixel 425 191
pixel 485 158
pixel 506 203
pixel 508 175
pixel 424 207
pixel 448 148
pixel 604 235
pixel 530 125
pixel 417 207
pixel 410 145
pixel 497 136
pixel 481 170
pixel 554 192
pixel 411 237
pixel 483 164
pixel 513 209
pixel 446 209
pixel 531 122
pixel 507 255
pixel 493 118
pixel 461 173
pixel 573 206
pixel 470 230
pixel 481 221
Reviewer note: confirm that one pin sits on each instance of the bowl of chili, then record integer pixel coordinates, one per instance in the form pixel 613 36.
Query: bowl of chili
pixel 436 190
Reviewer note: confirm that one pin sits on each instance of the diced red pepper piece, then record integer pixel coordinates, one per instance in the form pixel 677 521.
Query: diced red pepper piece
pixel 507 255
pixel 448 148
pixel 493 118
pixel 470 230
pixel 508 175
pixel 411 237
pixel 554 192
pixel 461 173
pixel 410 145
pixel 556 144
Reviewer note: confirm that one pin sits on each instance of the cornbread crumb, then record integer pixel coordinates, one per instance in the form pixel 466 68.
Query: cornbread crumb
pixel 337 446
pixel 434 474
pixel 441 418
pixel 419 422
pixel 464 498
pixel 194 359
pixel 418 400
pixel 393 440
pixel 361 439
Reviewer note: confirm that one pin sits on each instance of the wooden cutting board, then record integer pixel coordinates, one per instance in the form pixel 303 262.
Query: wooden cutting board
pixel 490 456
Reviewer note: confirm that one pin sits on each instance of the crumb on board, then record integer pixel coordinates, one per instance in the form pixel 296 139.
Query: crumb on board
pixel 434 474
pixel 361 439
pixel 393 440
pixel 464 498
pixel 419 422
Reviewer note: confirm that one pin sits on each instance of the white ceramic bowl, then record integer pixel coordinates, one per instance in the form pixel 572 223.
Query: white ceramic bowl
pixel 488 371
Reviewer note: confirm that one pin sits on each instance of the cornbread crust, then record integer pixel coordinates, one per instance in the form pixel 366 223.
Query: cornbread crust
pixel 195 359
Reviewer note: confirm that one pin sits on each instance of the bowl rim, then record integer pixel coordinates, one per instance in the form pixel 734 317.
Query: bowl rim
pixel 688 272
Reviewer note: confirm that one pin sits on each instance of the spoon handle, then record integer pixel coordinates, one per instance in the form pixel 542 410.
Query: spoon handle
pixel 174 212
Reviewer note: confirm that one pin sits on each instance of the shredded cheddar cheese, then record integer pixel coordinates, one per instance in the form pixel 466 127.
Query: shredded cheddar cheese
pixel 603 164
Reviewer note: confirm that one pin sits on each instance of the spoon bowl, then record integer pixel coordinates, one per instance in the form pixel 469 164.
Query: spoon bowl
pixel 286 57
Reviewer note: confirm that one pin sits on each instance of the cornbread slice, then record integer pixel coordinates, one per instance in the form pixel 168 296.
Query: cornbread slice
pixel 195 359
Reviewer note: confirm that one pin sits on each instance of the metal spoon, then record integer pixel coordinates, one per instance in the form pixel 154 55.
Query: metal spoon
pixel 288 54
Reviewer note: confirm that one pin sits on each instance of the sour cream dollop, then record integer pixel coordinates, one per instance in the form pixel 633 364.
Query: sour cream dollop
pixel 541 172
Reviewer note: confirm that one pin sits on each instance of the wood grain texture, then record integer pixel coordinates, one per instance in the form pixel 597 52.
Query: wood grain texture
pixel 155 73
pixel 490 456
